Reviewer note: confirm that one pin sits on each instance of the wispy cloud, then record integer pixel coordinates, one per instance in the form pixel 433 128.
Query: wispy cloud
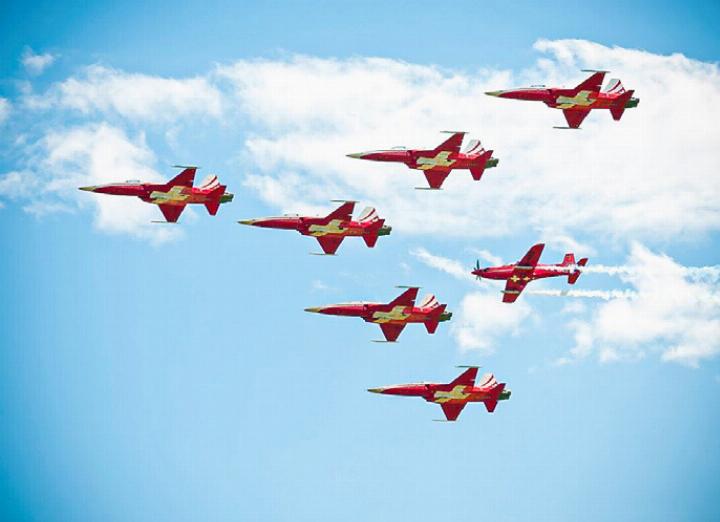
pixel 444 264
pixel 671 309
pixel 35 63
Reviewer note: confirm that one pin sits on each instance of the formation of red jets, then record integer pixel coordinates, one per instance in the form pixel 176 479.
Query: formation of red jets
pixel 436 164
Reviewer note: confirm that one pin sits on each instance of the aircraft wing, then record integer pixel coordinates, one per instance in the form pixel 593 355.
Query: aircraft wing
pixel 452 144
pixel 391 331
pixel 466 378
pixel 436 177
pixel 593 83
pixel 514 286
pixel 452 411
pixel 575 117
pixel 171 212
pixel 407 298
pixel 532 257
pixel 330 244
pixel 185 179
pixel 344 212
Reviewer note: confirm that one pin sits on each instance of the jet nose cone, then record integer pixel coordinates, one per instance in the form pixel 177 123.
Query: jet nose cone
pixel 88 189
pixel 494 93
pixel 376 390
pixel 247 221
pixel 357 155
pixel 315 309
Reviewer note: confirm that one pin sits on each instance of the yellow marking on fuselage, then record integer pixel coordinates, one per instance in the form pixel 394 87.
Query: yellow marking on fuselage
pixel 457 393
pixel 175 194
pixel 331 228
pixel 581 99
pixel 515 278
pixel 441 160
pixel 396 314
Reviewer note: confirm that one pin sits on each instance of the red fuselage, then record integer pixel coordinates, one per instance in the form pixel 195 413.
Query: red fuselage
pixel 567 98
pixel 382 313
pixel 538 272
pixel 160 194
pixel 319 227
pixel 431 159
pixel 443 393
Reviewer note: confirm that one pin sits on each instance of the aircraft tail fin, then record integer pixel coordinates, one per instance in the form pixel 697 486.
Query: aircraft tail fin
pixel 568 260
pixel 576 273
pixel 368 215
pixel 614 86
pixel 491 402
pixel 618 108
pixel 474 147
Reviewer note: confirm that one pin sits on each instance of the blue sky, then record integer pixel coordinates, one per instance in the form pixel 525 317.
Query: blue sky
pixel 170 373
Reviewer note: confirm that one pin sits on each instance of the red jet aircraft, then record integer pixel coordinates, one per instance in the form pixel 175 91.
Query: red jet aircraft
pixel 452 397
pixel 527 269
pixel 577 103
pixel 395 315
pixel 172 196
pixel 438 162
pixel 331 229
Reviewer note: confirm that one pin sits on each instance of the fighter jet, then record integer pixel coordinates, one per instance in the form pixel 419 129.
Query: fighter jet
pixel 172 196
pixel 452 397
pixel 437 163
pixel 331 229
pixel 577 103
pixel 527 269
pixel 395 315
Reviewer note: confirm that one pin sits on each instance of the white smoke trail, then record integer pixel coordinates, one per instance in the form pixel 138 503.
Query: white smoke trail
pixel 590 294
pixel 709 274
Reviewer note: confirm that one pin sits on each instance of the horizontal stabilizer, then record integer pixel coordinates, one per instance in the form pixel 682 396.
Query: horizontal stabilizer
pixel 214 198
pixel 576 273
pixel 618 107
pixel 477 172
pixel 491 402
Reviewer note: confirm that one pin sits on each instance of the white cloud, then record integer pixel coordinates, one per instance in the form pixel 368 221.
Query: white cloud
pixel 637 178
pixel 90 155
pixel 5 107
pixel 449 266
pixel 483 317
pixel 36 63
pixel 131 95
pixel 16 184
pixel 672 313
